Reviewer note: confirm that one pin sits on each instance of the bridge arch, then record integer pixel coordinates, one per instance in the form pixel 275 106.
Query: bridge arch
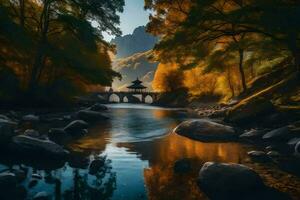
pixel 114 98
pixel 148 99
pixel 125 99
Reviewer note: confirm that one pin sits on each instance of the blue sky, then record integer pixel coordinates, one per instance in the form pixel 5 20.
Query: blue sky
pixel 133 16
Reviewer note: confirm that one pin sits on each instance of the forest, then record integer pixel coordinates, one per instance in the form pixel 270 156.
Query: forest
pixel 225 49
pixel 149 99
pixel 53 49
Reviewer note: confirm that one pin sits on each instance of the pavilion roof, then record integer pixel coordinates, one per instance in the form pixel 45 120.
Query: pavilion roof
pixel 137 84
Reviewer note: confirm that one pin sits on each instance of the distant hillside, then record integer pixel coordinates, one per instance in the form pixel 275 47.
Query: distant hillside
pixel 138 41
pixel 132 67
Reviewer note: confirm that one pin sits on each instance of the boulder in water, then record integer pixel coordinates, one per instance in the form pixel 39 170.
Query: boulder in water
pixel 34 146
pixel 205 130
pixel 224 181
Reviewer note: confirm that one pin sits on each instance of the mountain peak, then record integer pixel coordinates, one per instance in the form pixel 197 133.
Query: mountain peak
pixel 138 41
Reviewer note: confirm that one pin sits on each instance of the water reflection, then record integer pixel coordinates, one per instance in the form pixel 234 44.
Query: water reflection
pixel 161 180
pixel 140 153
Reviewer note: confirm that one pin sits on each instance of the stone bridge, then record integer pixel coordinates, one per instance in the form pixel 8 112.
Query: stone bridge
pixel 131 97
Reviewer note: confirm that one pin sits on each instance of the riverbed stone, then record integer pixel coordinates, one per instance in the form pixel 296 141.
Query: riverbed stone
pixel 91 116
pixel 30 145
pixel 228 180
pixel 205 130
pixel 279 134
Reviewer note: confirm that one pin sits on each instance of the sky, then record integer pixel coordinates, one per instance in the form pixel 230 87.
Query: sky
pixel 133 16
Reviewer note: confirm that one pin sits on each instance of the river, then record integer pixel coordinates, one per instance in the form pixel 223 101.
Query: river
pixel 141 151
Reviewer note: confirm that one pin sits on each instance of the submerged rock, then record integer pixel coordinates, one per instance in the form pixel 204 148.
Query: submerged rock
pixel 205 130
pixel 91 116
pixel 30 145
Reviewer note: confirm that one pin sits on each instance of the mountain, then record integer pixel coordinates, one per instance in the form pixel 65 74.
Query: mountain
pixel 132 67
pixel 138 41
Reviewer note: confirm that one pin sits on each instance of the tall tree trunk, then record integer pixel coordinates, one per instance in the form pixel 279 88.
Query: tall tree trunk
pixel 241 69
pixel 231 87
pixel 40 56
pixel 22 13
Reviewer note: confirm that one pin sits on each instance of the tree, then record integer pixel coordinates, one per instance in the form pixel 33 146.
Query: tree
pixel 46 40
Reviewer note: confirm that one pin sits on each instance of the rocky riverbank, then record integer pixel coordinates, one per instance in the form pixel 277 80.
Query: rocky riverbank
pixel 256 121
pixel 42 138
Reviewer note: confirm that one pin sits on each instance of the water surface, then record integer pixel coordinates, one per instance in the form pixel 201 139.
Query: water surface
pixel 140 151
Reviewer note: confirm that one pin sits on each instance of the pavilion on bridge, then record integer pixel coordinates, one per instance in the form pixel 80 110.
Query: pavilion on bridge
pixel 137 86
